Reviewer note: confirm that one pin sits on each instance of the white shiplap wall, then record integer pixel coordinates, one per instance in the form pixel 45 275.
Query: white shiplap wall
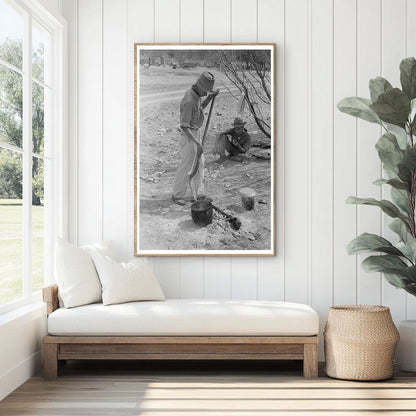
pixel 326 50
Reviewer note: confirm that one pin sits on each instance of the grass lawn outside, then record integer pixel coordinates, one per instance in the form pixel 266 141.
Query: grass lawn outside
pixel 11 249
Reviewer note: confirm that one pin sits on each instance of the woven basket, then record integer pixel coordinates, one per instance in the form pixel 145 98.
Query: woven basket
pixel 360 341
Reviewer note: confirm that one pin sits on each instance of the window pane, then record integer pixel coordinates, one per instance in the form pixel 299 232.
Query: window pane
pixel 11 34
pixel 38 118
pixel 11 226
pixel 11 107
pixel 41 46
pixel 38 229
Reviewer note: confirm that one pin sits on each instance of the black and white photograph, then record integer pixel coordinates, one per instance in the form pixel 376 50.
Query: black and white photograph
pixel 204 150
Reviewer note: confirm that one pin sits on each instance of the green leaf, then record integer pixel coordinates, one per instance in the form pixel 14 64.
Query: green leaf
pixel 402 139
pixel 390 173
pixel 398 184
pixel 389 151
pixel 408 249
pixel 410 272
pixel 381 263
pixel 396 271
pixel 389 208
pixel 412 109
pixel 395 183
pixel 408 77
pixel 410 158
pixel 378 86
pixel 400 228
pixel 411 289
pixel 380 182
pixel 366 243
pixel 397 280
pixel 392 107
pixel 359 107
pixel 404 173
pixel 400 198
pixel 412 115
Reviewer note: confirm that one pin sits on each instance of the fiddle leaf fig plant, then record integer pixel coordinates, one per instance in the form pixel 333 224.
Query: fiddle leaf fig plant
pixel 394 109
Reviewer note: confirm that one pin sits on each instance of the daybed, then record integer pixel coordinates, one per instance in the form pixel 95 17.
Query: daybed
pixel 180 329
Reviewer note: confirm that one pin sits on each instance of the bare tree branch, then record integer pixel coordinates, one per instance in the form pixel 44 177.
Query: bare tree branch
pixel 249 72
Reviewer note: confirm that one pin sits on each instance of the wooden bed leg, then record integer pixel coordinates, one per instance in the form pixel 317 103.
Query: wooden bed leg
pixel 310 360
pixel 50 360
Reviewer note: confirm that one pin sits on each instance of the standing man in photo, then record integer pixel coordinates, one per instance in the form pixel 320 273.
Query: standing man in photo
pixel 191 120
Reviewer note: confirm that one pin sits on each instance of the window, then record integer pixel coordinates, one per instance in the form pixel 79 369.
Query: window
pixel 31 140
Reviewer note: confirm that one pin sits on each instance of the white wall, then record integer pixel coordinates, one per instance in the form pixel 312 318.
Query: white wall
pixel 21 336
pixel 326 50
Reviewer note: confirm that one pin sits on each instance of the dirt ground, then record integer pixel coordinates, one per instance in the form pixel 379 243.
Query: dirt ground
pixel 164 225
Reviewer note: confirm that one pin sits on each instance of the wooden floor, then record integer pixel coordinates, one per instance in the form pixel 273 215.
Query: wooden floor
pixel 191 389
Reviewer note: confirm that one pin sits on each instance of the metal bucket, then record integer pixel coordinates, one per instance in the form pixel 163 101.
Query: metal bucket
pixel 201 212
pixel 247 198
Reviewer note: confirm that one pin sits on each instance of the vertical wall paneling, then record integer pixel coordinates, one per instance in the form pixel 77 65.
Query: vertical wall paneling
pixel 167 15
pixel 244 278
pixel 217 21
pixel 368 162
pixel 167 30
pixel 192 278
pixel 321 148
pixel 140 23
pixel 191 21
pixel 70 11
pixel 168 270
pixel 217 27
pixel 114 124
pixel 217 273
pixel 326 50
pixel 411 51
pixel 345 151
pixel 140 17
pixel 296 152
pixel 271 29
pixel 244 29
pixel 411 28
pixel 90 129
pixel 244 21
pixel 192 30
pixel 393 51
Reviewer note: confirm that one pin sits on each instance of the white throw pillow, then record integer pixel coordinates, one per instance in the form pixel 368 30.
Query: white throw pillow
pixel 103 247
pixel 126 282
pixel 75 273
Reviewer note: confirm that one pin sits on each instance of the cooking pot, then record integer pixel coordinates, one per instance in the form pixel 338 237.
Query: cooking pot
pixel 201 212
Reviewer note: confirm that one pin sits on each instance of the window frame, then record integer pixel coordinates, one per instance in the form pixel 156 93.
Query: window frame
pixel 57 226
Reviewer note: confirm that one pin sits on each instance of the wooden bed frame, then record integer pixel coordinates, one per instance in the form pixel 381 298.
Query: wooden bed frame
pixel 58 349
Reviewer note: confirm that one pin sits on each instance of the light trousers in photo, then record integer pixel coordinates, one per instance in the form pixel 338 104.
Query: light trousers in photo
pixel 188 159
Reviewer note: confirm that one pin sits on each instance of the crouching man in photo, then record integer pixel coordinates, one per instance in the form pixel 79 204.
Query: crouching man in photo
pixel 234 143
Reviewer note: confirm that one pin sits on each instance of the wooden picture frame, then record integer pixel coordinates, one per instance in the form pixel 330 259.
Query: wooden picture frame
pixel 235 213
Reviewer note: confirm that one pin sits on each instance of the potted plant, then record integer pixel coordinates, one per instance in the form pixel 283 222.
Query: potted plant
pixel 394 109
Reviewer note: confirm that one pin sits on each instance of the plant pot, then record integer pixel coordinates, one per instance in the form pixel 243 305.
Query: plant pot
pixel 360 341
pixel 406 349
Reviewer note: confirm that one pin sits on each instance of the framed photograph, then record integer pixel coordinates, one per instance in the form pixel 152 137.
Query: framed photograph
pixel 204 163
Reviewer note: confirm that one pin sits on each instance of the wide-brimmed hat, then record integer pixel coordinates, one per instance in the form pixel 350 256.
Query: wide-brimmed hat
pixel 206 81
pixel 238 122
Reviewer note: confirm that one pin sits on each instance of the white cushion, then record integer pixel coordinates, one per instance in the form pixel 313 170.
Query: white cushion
pixel 75 273
pixel 126 282
pixel 103 247
pixel 178 317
